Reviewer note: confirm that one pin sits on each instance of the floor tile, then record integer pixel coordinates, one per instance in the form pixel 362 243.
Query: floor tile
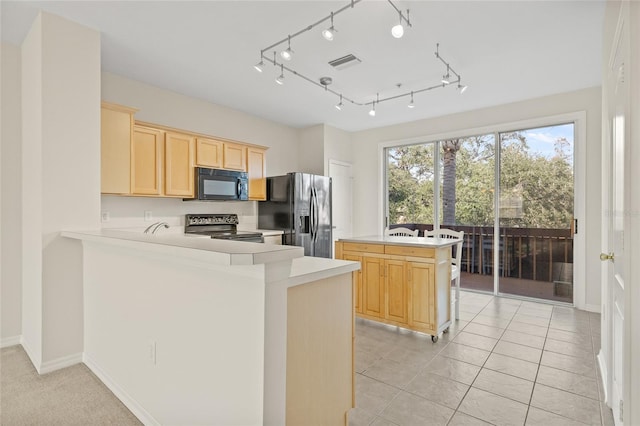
pixel 522 327
pixel 569 363
pixel 453 369
pixel 461 419
pixel 484 330
pixel 370 344
pixel 514 350
pixel 412 357
pixel 391 372
pixel 530 319
pixel 512 366
pixel 538 417
pixel 475 340
pixel 379 421
pixel 523 339
pixel 567 336
pixel 365 360
pixel 372 395
pixel 465 353
pixel 566 404
pixel 536 311
pixel 438 389
pixel 493 408
pixel 491 321
pixel 360 417
pixel 504 385
pixel 567 348
pixel 570 382
pixel 409 409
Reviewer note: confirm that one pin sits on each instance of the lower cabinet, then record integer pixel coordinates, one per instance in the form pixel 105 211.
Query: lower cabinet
pixel 399 290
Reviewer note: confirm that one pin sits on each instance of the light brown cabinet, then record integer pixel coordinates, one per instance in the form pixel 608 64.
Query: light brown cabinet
pixel 234 157
pixel 256 171
pixel 178 164
pixel 209 153
pixel 404 286
pixel 116 133
pixel 146 161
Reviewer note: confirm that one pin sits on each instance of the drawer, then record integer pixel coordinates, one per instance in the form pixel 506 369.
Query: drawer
pixel 410 251
pixel 364 247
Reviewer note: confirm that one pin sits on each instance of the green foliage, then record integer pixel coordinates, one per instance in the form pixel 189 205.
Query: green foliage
pixel 537 192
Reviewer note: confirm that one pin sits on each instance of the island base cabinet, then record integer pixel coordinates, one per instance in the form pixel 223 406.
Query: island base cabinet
pixel 320 358
pixel 373 286
pixel 422 288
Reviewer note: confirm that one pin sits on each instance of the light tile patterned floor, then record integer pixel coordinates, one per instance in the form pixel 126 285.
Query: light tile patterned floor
pixel 505 362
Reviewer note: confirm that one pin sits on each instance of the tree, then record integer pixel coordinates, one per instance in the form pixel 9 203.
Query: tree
pixel 450 149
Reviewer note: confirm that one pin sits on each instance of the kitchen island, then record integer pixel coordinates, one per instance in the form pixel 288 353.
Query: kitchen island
pixel 403 281
pixel 200 331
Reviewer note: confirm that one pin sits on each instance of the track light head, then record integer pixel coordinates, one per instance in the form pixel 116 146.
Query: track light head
pixel 329 32
pixel 372 112
pixel 411 104
pixel 259 66
pixel 339 105
pixel 287 54
pixel 398 30
pixel 280 78
pixel 462 88
pixel 445 79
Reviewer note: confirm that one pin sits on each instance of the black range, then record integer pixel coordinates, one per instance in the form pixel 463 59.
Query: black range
pixel 219 226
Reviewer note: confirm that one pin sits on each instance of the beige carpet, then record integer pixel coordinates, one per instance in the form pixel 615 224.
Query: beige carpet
pixel 71 396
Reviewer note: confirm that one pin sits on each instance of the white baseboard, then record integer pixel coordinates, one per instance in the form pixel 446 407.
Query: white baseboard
pixel 30 354
pixel 58 363
pixel 603 375
pixel 10 341
pixel 133 405
pixel 592 308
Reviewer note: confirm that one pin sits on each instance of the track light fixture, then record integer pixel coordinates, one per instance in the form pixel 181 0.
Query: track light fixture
pixel 329 32
pixel 411 104
pixel 448 78
pixel 280 79
pixel 398 30
pixel 287 54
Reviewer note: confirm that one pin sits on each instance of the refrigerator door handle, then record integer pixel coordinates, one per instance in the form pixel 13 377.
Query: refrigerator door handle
pixel 316 215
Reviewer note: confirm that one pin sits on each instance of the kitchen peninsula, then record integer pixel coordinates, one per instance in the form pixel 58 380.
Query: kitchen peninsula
pixel 198 331
pixel 403 281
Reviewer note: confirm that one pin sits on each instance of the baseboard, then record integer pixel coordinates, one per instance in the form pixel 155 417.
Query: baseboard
pixel 59 363
pixel 603 375
pixel 133 405
pixel 10 341
pixel 592 308
pixel 30 354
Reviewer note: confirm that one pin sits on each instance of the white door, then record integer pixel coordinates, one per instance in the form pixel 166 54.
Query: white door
pixel 617 89
pixel 341 181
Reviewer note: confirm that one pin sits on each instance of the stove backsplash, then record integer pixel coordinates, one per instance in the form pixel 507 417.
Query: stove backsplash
pixel 129 212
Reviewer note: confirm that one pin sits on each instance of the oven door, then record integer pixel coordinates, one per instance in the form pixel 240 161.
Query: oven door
pixel 220 185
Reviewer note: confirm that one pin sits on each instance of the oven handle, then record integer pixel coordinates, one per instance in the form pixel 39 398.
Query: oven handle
pixel 238 187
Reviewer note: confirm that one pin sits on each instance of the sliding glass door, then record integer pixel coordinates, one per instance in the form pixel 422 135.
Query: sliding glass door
pixel 512 195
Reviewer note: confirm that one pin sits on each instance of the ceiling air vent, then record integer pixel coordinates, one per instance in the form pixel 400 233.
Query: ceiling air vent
pixel 345 62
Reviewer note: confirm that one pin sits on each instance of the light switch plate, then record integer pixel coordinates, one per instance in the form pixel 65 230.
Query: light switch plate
pixel 148 215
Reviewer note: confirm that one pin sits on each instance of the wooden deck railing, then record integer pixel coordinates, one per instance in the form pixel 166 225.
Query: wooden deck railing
pixel 525 253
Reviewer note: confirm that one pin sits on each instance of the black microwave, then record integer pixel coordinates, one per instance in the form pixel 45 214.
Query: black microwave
pixel 220 185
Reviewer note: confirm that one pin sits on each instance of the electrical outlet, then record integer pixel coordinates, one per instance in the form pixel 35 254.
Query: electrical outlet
pixel 105 216
pixel 148 215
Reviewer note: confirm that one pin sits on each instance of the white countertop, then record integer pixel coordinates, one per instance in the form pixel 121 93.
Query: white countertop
pixel 222 252
pixel 403 241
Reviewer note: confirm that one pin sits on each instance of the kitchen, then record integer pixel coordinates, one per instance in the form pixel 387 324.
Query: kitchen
pixel 63 201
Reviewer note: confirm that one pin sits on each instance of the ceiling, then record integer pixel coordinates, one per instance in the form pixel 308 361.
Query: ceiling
pixel 505 51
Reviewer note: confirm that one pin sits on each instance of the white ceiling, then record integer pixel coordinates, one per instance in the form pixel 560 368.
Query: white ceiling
pixel 505 51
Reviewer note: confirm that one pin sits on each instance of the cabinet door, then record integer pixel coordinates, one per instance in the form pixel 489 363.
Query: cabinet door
pixel 422 309
pixel 146 161
pixel 235 157
pixel 257 174
pixel 208 153
pixel 396 294
pixel 357 282
pixel 178 164
pixel 116 131
pixel 373 286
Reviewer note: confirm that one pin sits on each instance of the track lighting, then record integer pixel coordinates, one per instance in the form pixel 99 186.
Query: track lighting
pixel 372 112
pixel 411 104
pixel 398 30
pixel 280 79
pixel 260 65
pixel 462 88
pixel 287 53
pixel 329 32
pixel 446 79
pixel 339 105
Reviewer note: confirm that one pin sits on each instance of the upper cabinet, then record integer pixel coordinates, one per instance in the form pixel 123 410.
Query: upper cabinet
pixel 115 153
pixel 147 159
pixel 256 171
pixel 235 157
pixel 209 153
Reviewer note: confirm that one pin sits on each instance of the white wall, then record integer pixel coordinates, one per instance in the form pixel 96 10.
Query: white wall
pixel 168 108
pixel 367 203
pixel 311 150
pixel 337 146
pixel 61 182
pixel 11 193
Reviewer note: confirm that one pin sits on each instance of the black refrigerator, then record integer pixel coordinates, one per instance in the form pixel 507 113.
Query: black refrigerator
pixel 300 205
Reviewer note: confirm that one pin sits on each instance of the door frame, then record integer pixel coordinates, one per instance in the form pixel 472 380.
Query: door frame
pixel 579 119
pixel 350 166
